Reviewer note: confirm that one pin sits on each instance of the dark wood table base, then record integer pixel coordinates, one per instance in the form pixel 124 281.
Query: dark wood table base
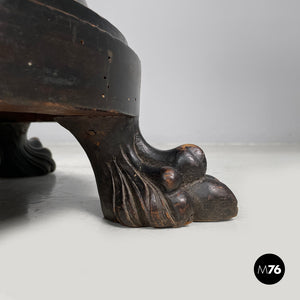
pixel 61 62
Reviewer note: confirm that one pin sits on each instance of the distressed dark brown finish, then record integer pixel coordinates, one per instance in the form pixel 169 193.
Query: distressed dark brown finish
pixel 61 62
pixel 143 186
pixel 55 62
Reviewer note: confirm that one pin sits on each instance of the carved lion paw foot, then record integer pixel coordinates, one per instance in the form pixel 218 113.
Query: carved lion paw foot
pixel 142 186
pixel 21 157
pixel 170 191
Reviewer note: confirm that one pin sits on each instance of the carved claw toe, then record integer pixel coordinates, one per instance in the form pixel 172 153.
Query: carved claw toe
pixel 170 178
pixel 212 200
pixel 35 142
pixel 190 162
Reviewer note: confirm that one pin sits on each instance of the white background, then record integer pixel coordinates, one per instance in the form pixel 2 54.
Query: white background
pixel 213 71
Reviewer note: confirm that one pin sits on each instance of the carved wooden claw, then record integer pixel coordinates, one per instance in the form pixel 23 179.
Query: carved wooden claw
pixel 142 186
pixel 20 157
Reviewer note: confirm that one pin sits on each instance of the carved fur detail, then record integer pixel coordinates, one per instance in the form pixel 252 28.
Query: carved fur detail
pixel 137 201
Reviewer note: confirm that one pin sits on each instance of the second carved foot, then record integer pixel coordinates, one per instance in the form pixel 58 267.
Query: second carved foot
pixel 20 157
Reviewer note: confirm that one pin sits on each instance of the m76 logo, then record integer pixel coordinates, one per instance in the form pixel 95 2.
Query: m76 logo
pixel 269 269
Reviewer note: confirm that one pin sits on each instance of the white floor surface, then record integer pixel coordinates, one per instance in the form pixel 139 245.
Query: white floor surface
pixel 55 244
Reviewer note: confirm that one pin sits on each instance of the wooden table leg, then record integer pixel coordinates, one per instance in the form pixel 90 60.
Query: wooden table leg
pixel 142 186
